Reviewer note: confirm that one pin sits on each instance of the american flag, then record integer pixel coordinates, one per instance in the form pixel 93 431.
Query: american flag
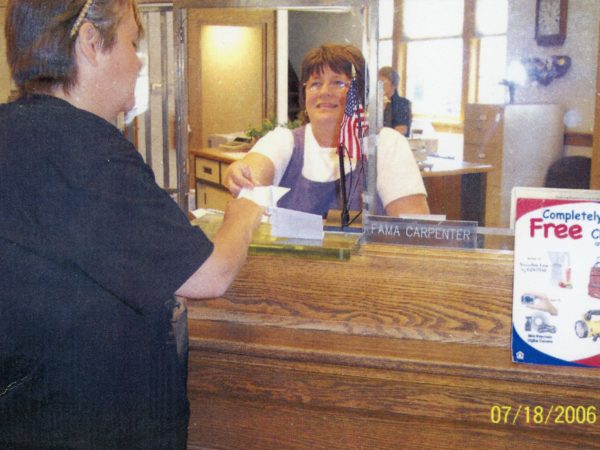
pixel 353 123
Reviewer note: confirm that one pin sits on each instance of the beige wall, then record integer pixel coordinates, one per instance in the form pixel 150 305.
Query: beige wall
pixel 231 82
pixel 576 91
pixel 232 73
pixel 308 29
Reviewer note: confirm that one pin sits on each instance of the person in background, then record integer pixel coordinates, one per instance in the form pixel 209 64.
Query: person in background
pixel 306 160
pixel 397 113
pixel 92 251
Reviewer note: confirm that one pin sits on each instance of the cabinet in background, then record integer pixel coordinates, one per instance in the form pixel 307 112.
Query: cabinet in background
pixel 519 141
pixel 209 177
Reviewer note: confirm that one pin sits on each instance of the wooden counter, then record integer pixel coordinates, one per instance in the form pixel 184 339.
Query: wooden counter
pixel 396 348
pixel 455 188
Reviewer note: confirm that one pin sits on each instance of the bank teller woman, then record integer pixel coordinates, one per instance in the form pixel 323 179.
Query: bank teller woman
pixel 306 160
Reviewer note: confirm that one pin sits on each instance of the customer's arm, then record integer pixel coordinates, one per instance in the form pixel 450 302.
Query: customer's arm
pixel 254 170
pixel 231 242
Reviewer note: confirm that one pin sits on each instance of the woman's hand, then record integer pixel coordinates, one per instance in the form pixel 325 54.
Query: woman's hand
pixel 254 170
pixel 238 176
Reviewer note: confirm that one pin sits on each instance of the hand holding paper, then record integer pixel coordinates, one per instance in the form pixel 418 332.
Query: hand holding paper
pixel 266 196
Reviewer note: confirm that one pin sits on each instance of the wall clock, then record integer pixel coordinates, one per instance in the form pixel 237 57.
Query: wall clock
pixel 551 22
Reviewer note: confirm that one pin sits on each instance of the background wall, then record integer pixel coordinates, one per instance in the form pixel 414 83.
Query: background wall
pixel 231 74
pixel 308 29
pixel 576 90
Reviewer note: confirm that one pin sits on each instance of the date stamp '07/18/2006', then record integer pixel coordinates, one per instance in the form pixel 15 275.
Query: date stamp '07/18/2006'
pixel 543 415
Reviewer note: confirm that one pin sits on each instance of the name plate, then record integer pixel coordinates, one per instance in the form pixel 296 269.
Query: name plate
pixel 432 233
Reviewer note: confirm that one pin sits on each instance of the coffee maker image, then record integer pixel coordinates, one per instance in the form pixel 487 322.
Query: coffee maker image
pixel 594 283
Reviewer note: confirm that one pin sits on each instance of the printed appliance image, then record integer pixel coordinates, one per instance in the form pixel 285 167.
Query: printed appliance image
pixel 594 284
pixel 588 327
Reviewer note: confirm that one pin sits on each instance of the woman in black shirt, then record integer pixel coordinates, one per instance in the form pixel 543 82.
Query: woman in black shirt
pixel 92 251
pixel 397 113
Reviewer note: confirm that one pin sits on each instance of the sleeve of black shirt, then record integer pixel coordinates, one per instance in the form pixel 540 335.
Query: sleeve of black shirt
pixel 110 218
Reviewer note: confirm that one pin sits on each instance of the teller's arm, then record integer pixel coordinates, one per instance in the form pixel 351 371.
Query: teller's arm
pixel 254 170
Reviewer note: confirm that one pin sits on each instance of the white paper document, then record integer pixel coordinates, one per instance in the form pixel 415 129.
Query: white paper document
pixel 266 196
pixel 285 223
pixel 296 224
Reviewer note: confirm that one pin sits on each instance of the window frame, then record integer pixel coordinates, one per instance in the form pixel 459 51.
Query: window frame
pixel 387 39
pixel 471 62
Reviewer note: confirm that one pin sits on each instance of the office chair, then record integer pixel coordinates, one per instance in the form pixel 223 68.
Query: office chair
pixel 570 172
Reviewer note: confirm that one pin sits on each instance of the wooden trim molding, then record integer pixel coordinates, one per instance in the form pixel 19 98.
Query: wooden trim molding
pixel 398 58
pixel 579 139
pixel 468 33
pixel 595 174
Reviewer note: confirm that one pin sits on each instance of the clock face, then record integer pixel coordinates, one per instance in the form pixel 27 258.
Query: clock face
pixel 551 22
pixel 549 17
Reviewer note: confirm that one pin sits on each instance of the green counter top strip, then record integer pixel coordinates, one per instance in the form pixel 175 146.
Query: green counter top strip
pixel 305 251
pixel 338 246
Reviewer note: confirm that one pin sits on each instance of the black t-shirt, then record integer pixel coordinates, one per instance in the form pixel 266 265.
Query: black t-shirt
pixel 398 112
pixel 91 252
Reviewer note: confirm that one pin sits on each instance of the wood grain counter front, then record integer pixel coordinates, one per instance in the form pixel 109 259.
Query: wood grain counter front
pixel 396 348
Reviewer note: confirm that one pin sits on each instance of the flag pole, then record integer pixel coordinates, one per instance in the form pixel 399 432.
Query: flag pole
pixel 345 214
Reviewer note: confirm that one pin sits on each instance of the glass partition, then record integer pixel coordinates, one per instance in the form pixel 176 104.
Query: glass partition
pixel 301 25
pixel 486 124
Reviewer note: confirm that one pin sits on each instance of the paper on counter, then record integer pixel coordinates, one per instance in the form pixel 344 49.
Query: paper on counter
pixel 266 196
pixel 296 224
pixel 201 212
pixel 285 223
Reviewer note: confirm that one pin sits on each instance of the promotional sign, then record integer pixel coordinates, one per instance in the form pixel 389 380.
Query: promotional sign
pixel 556 296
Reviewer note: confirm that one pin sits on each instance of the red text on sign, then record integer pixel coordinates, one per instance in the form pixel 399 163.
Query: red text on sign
pixel 560 231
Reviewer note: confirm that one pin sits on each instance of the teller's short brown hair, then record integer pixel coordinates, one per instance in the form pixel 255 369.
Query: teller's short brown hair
pixel 340 59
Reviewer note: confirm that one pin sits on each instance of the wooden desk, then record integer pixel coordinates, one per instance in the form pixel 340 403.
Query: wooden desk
pixel 210 165
pixel 395 348
pixel 443 167
pixel 455 188
pixel 217 154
